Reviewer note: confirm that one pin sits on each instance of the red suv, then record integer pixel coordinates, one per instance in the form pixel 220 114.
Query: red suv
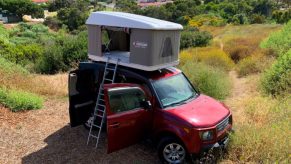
pixel 161 105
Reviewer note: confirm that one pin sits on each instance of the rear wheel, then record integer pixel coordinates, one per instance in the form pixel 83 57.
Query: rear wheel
pixel 171 151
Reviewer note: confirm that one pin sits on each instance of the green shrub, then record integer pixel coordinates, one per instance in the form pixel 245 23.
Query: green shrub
pixel 22 54
pixel 282 16
pixel 19 100
pixel 52 61
pixel 277 79
pixel 192 37
pixel 53 23
pixel 65 53
pixel 11 68
pixel 279 41
pixel 252 64
pixel 208 80
pixel 257 18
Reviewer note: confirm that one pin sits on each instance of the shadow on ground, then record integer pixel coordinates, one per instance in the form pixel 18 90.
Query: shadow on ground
pixel 68 145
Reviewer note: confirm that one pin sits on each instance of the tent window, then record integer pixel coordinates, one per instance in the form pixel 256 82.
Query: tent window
pixel 167 48
pixel 115 40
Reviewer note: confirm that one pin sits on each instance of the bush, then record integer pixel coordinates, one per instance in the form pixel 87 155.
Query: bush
pixel 252 64
pixel 208 55
pixel 53 23
pixel 277 79
pixel 279 41
pixel 22 54
pixel 10 68
pixel 64 54
pixel 19 100
pixel 240 48
pixel 52 61
pixel 208 80
pixel 282 16
pixel 257 18
pixel 192 37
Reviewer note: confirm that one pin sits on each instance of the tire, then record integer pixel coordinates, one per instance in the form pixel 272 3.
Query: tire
pixel 171 150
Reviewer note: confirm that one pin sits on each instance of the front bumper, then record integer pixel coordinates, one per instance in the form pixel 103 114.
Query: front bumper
pixel 222 144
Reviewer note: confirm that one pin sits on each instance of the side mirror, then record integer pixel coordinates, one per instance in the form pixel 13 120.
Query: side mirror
pixel 146 104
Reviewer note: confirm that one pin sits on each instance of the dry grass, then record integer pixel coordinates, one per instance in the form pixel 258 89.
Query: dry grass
pixel 52 85
pixel 46 85
pixel 262 124
pixel 257 62
pixel 240 41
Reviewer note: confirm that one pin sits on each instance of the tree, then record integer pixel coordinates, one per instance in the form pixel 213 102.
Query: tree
pixel 72 17
pixel 22 7
pixel 129 6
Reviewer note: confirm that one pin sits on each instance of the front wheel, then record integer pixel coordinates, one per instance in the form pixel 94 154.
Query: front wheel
pixel 170 150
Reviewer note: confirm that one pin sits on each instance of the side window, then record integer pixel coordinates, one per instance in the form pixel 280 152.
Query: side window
pixel 125 99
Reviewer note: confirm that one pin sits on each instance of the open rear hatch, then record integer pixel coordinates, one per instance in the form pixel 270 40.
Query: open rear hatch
pixel 82 95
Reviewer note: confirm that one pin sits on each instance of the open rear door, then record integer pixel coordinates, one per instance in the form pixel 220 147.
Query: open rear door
pixel 82 96
pixel 129 116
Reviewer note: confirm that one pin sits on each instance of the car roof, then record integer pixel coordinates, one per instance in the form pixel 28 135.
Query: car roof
pixel 148 75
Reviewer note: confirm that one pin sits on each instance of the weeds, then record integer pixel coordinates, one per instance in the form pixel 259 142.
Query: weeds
pixel 210 55
pixel 208 80
pixel 255 63
pixel 19 100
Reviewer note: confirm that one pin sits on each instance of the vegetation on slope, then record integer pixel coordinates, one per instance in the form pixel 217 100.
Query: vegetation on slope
pixel 20 100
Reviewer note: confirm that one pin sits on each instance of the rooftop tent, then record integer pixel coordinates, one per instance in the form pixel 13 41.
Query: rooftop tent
pixel 139 42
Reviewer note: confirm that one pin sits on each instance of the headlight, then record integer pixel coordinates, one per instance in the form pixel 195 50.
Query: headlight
pixel 206 135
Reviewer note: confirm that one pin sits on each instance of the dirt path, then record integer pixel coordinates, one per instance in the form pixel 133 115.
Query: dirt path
pixel 242 88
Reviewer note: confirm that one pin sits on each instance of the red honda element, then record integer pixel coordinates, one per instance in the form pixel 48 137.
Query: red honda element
pixel 161 105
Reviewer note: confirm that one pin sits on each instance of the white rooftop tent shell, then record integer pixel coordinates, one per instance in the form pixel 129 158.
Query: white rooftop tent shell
pixel 138 41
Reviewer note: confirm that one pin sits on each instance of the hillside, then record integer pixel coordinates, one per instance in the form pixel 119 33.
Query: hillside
pixel 37 135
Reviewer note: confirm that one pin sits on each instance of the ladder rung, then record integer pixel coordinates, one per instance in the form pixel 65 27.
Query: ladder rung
pixel 100 110
pixel 91 135
pixel 102 100
pixel 109 79
pixel 101 94
pixel 99 116
pixel 96 126
pixel 112 69
pixel 101 105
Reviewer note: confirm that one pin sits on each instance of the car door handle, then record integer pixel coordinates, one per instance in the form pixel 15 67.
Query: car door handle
pixel 115 125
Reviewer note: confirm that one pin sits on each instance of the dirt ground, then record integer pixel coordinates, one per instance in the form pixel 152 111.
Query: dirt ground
pixel 44 136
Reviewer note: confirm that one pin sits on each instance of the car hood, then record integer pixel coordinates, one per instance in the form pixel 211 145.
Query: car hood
pixel 203 111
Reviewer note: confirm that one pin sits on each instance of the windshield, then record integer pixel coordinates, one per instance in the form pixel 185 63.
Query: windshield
pixel 174 90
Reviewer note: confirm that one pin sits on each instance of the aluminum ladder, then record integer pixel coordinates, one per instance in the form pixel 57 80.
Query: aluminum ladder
pixel 100 107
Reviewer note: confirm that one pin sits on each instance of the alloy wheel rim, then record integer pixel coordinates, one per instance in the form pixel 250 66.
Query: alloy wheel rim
pixel 174 153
